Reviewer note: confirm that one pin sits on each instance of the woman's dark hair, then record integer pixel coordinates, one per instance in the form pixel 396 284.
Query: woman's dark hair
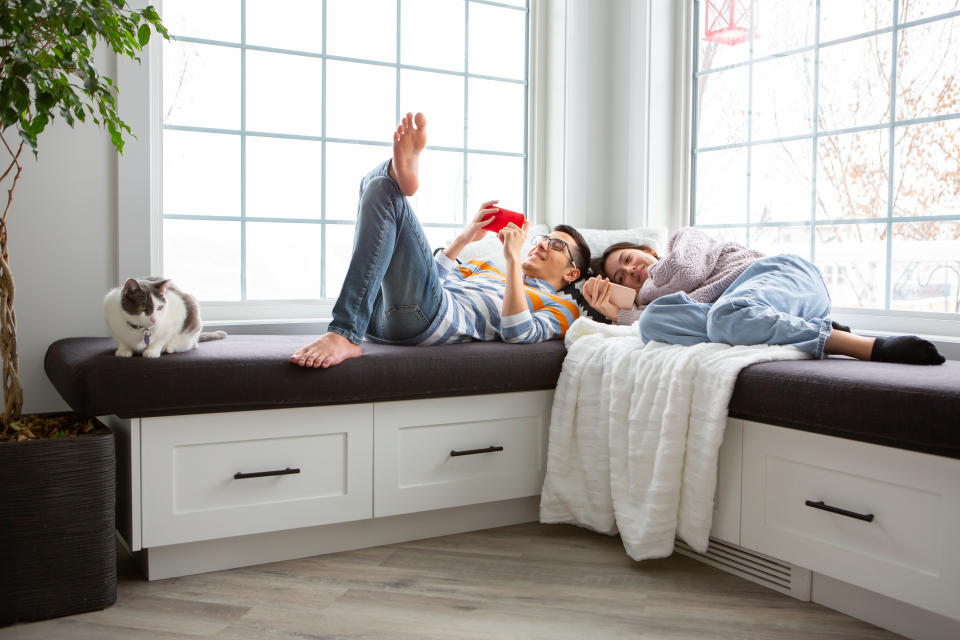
pixel 581 252
pixel 597 266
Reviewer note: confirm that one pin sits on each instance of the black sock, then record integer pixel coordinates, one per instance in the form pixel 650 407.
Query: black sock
pixel 839 327
pixel 907 350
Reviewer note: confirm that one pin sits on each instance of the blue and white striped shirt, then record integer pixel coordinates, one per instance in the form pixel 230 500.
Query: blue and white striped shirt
pixel 473 299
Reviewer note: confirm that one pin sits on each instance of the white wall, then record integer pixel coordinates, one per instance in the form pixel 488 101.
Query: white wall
pixel 617 80
pixel 62 232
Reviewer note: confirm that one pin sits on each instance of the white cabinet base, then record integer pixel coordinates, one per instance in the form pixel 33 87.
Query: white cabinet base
pixel 174 560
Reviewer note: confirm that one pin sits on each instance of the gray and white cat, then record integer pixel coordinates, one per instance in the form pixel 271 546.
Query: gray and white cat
pixel 151 316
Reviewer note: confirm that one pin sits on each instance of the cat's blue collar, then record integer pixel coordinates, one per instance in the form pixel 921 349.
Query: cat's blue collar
pixel 146 332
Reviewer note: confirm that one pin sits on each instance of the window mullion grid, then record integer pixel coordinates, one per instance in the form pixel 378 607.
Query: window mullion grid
pixel 816 135
pixel 526 104
pixel 243 149
pixel 695 114
pixel 888 279
pixel 397 104
pixel 466 109
pixel 323 152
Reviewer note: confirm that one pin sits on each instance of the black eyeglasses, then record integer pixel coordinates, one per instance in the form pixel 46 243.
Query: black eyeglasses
pixel 557 245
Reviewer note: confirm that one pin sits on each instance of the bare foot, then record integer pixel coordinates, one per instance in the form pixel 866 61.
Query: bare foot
pixel 408 141
pixel 328 350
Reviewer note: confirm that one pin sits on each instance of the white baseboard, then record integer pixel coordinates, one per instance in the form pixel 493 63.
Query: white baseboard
pixel 227 553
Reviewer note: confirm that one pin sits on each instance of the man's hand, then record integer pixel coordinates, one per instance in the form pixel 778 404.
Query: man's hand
pixel 473 231
pixel 596 291
pixel 513 238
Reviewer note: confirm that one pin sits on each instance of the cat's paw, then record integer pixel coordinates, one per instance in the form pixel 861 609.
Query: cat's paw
pixel 151 353
pixel 124 352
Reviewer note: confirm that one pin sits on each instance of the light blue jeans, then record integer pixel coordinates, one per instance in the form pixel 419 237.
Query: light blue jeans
pixel 777 300
pixel 392 289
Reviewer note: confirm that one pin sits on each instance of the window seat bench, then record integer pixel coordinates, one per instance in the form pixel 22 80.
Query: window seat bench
pixel 230 455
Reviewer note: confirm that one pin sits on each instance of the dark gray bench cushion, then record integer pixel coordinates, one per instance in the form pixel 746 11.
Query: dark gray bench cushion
pixel 254 372
pixel 909 407
pixel 897 405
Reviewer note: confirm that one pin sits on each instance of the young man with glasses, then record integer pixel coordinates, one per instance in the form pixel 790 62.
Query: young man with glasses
pixel 395 291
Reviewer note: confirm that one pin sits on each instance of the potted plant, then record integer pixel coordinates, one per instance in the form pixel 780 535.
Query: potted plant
pixel 57 477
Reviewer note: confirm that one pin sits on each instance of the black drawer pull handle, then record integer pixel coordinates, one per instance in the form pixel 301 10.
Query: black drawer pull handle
pixel 866 517
pixel 262 474
pixel 474 451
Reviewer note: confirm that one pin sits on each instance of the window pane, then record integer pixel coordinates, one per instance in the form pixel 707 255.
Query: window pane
pixel 497 41
pixel 780 185
pixel 926 266
pixel 337 249
pixel 721 187
pixel 440 97
pixel 441 236
pixel 431 33
pixel 927 169
pixel 285 24
pixel 915 10
pixel 496 116
pixel 722 105
pixel 841 18
pixel 784 25
pixel 283 178
pixel 929 65
pixel 361 101
pixel 347 164
pixel 494 178
pixel 203 257
pixel 201 174
pixel 283 261
pixel 852 175
pixel 440 197
pixel 729 234
pixel 776 240
pixel 362 29
pixel 210 19
pixel 723 39
pixel 855 256
pixel 783 97
pixel 855 83
pixel 201 85
pixel 284 93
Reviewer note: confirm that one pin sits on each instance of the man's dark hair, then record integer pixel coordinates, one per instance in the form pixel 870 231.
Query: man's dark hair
pixel 581 252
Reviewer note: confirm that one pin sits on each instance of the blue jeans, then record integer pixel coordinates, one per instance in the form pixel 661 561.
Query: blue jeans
pixel 392 289
pixel 777 300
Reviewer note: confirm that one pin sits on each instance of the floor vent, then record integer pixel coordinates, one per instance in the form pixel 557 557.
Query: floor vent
pixel 769 572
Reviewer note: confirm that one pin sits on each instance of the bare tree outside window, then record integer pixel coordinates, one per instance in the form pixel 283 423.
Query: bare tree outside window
pixel 816 137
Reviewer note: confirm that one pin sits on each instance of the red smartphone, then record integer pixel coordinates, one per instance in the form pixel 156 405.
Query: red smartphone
pixel 502 217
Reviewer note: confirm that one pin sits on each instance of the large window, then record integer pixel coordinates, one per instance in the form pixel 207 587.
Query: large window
pixel 831 129
pixel 273 110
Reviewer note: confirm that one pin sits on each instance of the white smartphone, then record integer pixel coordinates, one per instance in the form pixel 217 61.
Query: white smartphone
pixel 622 297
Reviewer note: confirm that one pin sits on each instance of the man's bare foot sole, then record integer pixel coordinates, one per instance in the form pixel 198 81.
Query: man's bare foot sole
pixel 328 350
pixel 408 141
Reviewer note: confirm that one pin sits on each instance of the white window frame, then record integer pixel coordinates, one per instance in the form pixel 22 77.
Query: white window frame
pixel 942 328
pixel 140 220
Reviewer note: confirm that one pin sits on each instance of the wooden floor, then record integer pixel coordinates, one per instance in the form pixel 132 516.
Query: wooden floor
pixel 525 581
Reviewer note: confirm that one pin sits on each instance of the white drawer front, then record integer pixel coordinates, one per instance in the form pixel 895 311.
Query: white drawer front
pixel 203 475
pixel 904 551
pixel 415 470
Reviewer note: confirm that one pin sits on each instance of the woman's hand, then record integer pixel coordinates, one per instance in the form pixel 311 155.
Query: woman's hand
pixel 596 291
pixel 474 230
pixel 512 238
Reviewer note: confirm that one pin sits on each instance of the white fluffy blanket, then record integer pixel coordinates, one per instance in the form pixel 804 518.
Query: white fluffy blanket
pixel 635 434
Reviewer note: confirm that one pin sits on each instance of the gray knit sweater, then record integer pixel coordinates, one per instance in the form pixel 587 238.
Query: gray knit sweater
pixel 694 263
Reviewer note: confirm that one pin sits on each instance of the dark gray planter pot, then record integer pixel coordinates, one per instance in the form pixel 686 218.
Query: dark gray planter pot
pixel 57 547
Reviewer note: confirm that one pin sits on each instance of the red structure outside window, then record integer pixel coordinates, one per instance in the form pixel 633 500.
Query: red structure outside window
pixel 727 21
